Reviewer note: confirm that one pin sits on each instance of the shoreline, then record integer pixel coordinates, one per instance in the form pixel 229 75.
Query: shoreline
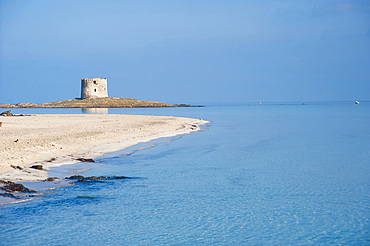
pixel 56 140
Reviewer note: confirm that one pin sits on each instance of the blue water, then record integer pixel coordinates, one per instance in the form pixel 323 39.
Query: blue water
pixel 258 175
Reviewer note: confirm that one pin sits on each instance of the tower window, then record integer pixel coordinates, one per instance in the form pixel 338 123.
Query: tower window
pixel 95 90
pixel 95 82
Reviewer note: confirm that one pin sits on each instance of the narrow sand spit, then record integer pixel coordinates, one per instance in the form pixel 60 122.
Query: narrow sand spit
pixel 53 140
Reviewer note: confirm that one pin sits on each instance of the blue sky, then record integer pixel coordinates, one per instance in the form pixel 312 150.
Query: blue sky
pixel 186 51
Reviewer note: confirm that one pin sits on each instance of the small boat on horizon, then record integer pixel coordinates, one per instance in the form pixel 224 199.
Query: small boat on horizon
pixel 357 102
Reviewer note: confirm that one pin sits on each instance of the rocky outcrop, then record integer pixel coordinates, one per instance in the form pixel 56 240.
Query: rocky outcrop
pixel 81 178
pixel 10 195
pixel 37 167
pixel 85 160
pixel 6 113
pixel 16 167
pixel 13 187
pixel 9 113
pixel 51 179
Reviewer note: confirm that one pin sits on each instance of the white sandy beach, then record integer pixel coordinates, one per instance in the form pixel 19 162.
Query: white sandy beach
pixel 36 139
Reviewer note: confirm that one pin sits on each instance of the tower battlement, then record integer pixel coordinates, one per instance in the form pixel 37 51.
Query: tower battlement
pixel 93 88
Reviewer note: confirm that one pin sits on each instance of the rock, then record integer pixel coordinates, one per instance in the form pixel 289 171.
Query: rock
pixel 13 187
pixel 85 160
pixel 7 195
pixel 6 113
pixel 84 197
pixel 51 179
pixel 118 177
pixel 38 167
pixel 76 177
pixel 93 178
pixel 17 167
pixel 81 178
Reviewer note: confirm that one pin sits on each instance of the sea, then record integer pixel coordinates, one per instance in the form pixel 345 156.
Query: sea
pixel 281 173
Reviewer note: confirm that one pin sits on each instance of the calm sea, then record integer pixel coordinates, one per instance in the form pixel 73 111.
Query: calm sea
pixel 258 175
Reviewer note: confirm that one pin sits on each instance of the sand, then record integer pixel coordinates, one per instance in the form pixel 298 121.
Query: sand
pixel 54 140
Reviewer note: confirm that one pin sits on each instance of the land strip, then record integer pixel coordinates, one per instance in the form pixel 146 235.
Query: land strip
pixel 103 102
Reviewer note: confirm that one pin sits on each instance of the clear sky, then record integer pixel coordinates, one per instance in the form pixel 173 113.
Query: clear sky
pixel 186 50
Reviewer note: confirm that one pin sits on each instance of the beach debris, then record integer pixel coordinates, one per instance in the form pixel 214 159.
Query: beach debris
pixel 1 123
pixel 85 160
pixel 51 160
pixel 13 187
pixel 16 141
pixel 37 167
pixel 81 178
pixel 6 113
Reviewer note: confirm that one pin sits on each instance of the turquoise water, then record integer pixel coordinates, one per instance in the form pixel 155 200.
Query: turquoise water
pixel 258 175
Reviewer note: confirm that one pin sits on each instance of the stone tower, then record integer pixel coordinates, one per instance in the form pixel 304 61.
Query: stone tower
pixel 93 88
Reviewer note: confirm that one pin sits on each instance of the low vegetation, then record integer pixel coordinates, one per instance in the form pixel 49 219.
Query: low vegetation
pixel 104 102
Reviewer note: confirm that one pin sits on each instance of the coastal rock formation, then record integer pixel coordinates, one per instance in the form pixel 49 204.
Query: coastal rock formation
pixel 16 167
pixel 9 112
pixel 10 195
pixel 51 179
pixel 81 178
pixel 6 113
pixel 37 167
pixel 85 160
pixel 13 187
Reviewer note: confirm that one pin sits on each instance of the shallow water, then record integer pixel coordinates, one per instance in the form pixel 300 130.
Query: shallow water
pixel 260 174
